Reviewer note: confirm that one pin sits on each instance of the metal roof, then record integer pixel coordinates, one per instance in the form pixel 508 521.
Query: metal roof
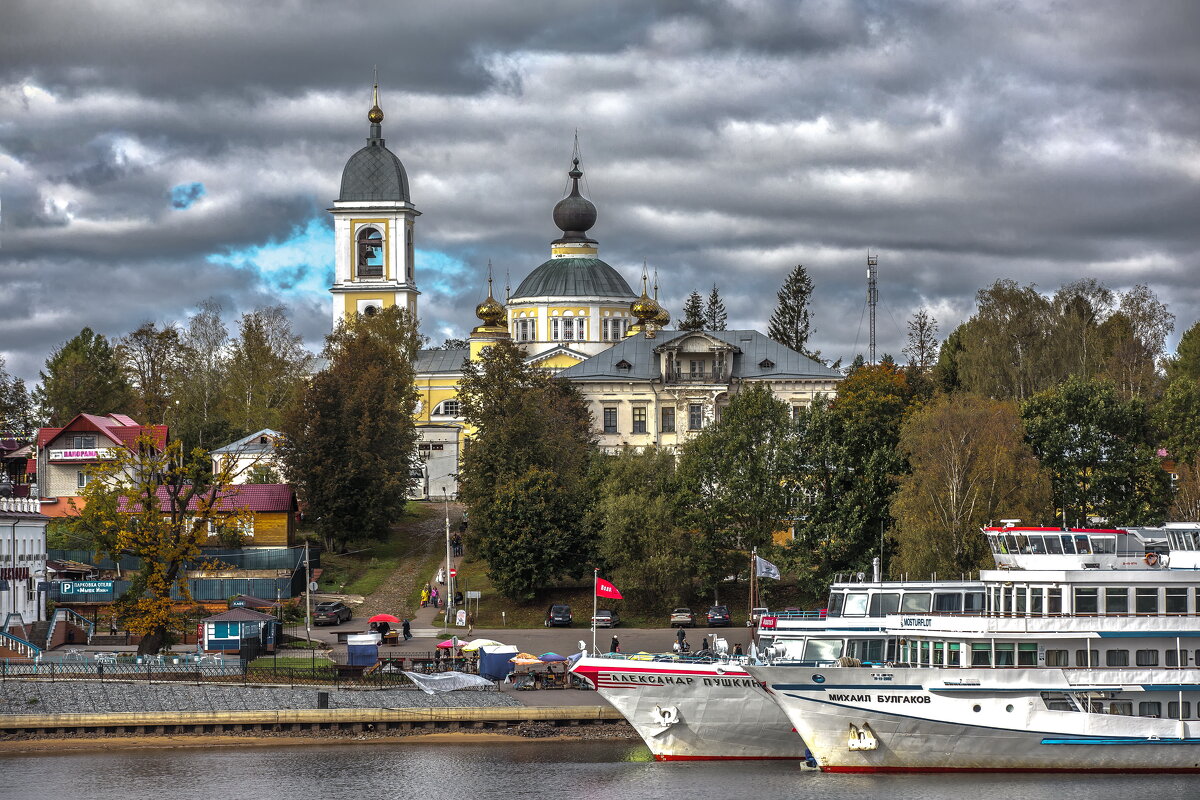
pixel 758 357
pixel 374 173
pixel 440 361
pixel 252 444
pixel 574 277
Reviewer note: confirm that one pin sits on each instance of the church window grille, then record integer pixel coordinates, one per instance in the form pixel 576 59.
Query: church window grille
pixel 568 329
pixel 554 322
pixel 581 329
pixel 370 253
pixel 448 408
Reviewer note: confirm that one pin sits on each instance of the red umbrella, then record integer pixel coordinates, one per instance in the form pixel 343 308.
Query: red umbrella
pixel 383 618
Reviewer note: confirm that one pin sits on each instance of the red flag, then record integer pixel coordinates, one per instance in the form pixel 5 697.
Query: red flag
pixel 606 589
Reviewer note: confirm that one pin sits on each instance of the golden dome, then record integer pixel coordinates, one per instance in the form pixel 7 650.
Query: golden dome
pixel 375 115
pixel 663 318
pixel 491 312
pixel 644 309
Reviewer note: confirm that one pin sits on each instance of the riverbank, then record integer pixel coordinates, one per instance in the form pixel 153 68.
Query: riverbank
pixel 530 732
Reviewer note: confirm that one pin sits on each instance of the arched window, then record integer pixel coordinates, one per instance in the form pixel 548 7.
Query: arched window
pixel 370 253
pixel 448 408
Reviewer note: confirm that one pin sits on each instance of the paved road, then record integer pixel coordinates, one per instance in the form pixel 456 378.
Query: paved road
pixel 560 640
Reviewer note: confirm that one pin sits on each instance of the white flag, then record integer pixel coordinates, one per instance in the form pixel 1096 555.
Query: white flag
pixel 765 569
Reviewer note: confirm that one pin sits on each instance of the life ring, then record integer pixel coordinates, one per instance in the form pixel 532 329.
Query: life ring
pixel 1151 559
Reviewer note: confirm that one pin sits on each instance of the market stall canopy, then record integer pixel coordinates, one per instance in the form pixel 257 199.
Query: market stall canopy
pixel 472 646
pixel 551 657
pixel 449 644
pixel 383 618
pixel 525 659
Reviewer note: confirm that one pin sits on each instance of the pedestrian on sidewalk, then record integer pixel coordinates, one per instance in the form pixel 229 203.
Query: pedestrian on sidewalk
pixel 615 645
pixel 679 637
pixel 407 630
pixel 433 597
pixel 470 623
pixel 425 596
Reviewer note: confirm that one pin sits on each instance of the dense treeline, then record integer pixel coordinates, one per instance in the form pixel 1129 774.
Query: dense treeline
pixel 1057 409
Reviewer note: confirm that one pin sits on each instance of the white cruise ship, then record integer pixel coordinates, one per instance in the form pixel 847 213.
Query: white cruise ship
pixel 1086 657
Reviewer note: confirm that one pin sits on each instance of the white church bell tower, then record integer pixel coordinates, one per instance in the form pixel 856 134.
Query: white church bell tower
pixel 373 220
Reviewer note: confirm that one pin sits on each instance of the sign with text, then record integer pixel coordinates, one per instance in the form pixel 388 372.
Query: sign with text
pixel 474 595
pixel 82 455
pixel 85 587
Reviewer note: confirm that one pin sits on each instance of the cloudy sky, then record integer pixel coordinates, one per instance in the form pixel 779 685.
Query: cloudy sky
pixel 155 154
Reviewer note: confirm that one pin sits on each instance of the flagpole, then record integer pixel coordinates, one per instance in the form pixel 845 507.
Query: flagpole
pixel 595 607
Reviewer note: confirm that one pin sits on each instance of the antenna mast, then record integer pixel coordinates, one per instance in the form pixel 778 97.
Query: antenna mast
pixel 872 296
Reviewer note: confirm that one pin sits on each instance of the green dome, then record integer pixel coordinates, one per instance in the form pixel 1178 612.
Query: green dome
pixel 574 277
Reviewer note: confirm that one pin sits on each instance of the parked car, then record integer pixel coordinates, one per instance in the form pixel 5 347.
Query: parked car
pixel 718 616
pixel 558 615
pixel 755 615
pixel 331 612
pixel 606 619
pixel 683 618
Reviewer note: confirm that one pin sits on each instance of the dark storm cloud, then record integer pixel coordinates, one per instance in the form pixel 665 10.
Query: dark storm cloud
pixel 723 143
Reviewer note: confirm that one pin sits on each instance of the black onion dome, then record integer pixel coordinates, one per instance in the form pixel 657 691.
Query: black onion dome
pixel 574 214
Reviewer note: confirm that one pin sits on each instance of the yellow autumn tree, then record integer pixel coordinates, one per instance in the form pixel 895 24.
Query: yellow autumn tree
pixel 161 505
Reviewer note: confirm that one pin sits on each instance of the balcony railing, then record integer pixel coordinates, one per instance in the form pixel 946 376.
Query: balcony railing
pixel 700 376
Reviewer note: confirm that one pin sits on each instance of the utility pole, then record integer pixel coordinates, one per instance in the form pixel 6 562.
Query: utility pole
pixel 449 566
pixel 307 596
pixel 872 296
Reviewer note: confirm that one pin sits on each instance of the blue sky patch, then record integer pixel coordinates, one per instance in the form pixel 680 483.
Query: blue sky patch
pixel 183 195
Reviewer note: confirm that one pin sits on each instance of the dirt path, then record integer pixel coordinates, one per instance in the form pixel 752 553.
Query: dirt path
pixel 426 542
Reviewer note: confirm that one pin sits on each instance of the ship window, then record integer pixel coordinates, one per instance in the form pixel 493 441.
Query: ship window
pixel 1116 601
pixel 884 604
pixel 981 654
pixel 1054 601
pixel 973 603
pixel 1146 600
pixel 1068 544
pixel 1027 654
pixel 947 602
pixel 1173 710
pixel 1081 545
pixel 1036 605
pixel 1053 545
pixel 1151 708
pixel 1004 654
pixel 916 601
pixel 1056 658
pixel 1116 658
pixel 952 654
pixel 1122 708
pixel 994 541
pixel 1087 658
pixel 1104 545
pixel 822 649
pixel 856 605
pixel 1147 658
pixel 1177 658
pixel 1176 600
pixel 835 604
pixel 866 649
pixel 1059 705
pixel 1086 600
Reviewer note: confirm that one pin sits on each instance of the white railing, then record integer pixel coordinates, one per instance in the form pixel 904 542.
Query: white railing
pixel 20 505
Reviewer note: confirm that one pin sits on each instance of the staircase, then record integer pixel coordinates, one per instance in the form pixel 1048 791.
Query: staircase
pixel 40 632
pixel 15 647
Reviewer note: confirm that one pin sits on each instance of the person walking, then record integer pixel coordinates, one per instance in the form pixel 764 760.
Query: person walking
pixel 470 623
pixel 679 637
pixel 425 596
pixel 737 649
pixel 407 630
pixel 615 645
pixel 433 597
pixel 704 643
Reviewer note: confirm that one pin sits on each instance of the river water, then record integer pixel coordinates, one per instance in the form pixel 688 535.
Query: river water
pixel 327 770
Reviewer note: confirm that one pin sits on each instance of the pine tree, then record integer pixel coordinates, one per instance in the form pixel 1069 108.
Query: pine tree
pixel 790 325
pixel 693 313
pixel 922 347
pixel 715 318
pixel 83 375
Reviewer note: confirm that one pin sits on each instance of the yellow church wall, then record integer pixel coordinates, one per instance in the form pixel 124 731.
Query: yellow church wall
pixel 351 308
pixel 558 361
